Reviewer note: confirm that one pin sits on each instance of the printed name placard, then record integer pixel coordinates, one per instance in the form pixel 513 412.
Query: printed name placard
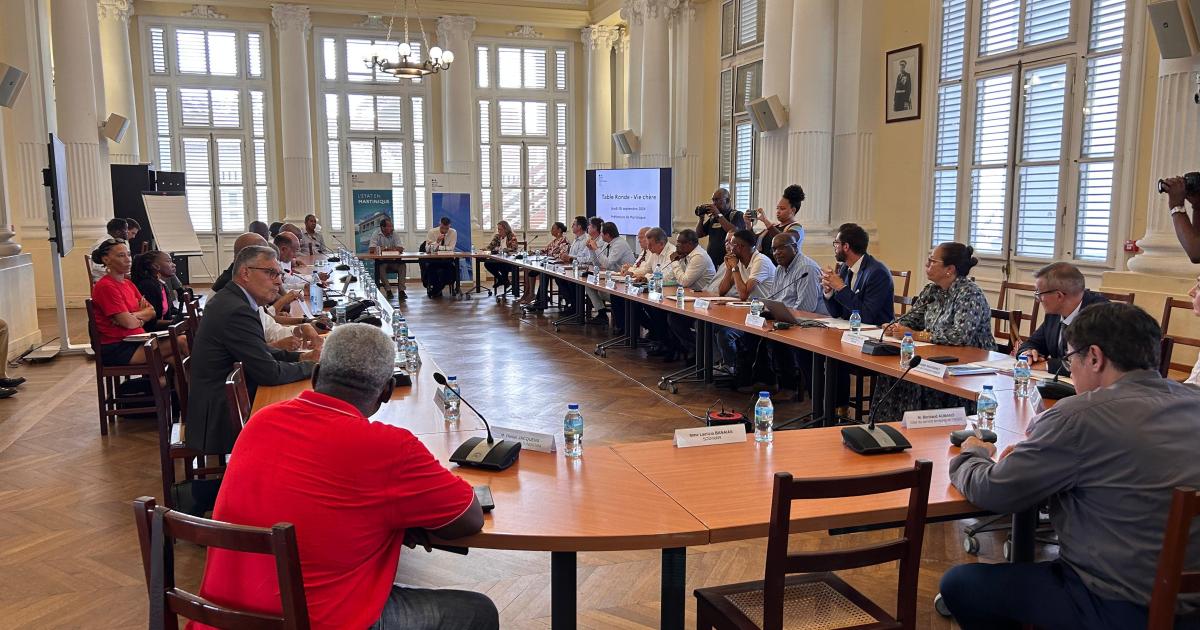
pixel 702 304
pixel 531 440
pixel 632 289
pixel 610 284
pixel 929 368
pixel 707 436
pixel 594 279
pixel 855 339
pixel 655 296
pixel 756 321
pixel 953 417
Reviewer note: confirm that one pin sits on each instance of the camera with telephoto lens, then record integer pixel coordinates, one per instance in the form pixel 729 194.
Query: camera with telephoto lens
pixel 1191 184
pixel 701 209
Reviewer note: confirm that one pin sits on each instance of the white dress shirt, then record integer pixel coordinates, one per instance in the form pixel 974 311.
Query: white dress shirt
pixel 579 249
pixel 312 243
pixel 447 245
pixel 853 276
pixel 662 259
pixel 761 269
pixel 611 255
pixel 694 271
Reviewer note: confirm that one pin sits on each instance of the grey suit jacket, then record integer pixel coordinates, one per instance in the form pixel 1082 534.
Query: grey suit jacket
pixel 231 331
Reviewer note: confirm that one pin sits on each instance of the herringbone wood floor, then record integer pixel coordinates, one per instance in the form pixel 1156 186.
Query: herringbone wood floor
pixel 68 552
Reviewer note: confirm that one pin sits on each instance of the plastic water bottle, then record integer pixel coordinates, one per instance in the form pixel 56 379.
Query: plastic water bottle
pixel 575 267
pixel 1021 374
pixel 401 354
pixel 764 418
pixel 679 295
pixel 450 399
pixel 656 281
pixel 573 431
pixel 855 321
pixel 316 278
pixel 908 348
pixel 756 307
pixel 986 406
pixel 414 356
pixel 396 319
pixel 402 333
pixel 339 313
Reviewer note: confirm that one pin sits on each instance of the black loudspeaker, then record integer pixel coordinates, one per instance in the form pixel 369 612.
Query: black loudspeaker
pixel 477 452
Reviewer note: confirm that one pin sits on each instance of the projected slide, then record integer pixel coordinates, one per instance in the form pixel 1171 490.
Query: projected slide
pixel 631 198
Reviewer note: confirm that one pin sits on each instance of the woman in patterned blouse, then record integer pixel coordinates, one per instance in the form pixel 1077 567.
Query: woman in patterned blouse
pixel 950 311
pixel 504 242
pixel 555 250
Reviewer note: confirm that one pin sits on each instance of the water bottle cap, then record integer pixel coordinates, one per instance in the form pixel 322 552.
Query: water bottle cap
pixel 854 312
pixel 987 388
pixel 412 336
pixel 1023 357
pixel 451 378
pixel 908 335
pixel 764 394
pixel 572 406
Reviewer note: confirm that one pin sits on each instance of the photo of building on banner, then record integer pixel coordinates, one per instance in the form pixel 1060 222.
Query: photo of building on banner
pixel 371 199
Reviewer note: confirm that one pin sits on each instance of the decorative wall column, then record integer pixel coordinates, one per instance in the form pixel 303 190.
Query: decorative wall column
pixel 458 138
pixel 853 143
pixel 1176 136
pixel 776 81
pixel 598 46
pixel 24 44
pixel 655 129
pixel 688 128
pixel 118 76
pixel 634 14
pixel 79 89
pixel 292 26
pixel 621 98
pixel 810 135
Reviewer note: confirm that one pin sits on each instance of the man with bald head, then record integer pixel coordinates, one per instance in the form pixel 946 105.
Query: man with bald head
pixel 240 243
pixel 720 220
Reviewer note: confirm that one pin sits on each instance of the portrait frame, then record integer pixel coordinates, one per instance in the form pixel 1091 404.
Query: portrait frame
pixel 902 98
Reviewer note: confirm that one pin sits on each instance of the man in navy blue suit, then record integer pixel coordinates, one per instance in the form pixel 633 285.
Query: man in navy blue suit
pixel 861 283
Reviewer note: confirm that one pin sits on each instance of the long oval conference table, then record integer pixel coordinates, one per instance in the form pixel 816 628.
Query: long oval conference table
pixel 652 495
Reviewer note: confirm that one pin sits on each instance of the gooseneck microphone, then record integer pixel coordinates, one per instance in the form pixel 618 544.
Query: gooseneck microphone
pixel 478 452
pixel 872 440
pixel 787 286
pixel 879 347
pixel 1054 389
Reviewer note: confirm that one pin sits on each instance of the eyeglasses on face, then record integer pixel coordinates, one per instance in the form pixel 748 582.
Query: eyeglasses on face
pixel 1037 295
pixel 271 272
pixel 1066 360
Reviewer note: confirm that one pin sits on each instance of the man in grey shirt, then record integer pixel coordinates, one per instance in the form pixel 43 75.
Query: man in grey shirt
pixel 797 285
pixel 1107 459
pixel 609 255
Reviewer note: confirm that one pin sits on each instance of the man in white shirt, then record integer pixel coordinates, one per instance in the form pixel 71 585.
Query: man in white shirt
pixel 692 268
pixel 386 239
pixel 117 229
pixel 436 274
pixel 577 251
pixel 749 272
pixel 312 242
pixel 611 253
pixel 683 328
pixel 657 255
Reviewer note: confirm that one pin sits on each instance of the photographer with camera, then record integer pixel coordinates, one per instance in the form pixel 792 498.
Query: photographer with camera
pixel 718 219
pixel 1187 229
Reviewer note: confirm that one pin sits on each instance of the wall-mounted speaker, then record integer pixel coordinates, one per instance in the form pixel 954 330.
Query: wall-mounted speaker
pixel 627 142
pixel 768 113
pixel 114 127
pixel 11 81
pixel 1172 22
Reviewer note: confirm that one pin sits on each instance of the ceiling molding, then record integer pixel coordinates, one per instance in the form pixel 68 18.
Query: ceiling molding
pixel 536 13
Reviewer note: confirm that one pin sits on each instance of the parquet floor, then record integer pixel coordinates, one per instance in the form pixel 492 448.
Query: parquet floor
pixel 68 552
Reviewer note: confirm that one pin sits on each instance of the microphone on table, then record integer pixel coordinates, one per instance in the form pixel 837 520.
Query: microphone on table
pixel 871 439
pixel 787 286
pixel 478 452
pixel 879 347
pixel 343 266
pixel 1054 389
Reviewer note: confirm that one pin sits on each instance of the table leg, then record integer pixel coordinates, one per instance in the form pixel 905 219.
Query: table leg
pixel 674 574
pixel 829 415
pixel 562 589
pixel 632 327
pixel 1024 530
pixel 708 350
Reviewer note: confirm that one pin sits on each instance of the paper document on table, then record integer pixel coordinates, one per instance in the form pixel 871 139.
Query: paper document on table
pixel 721 298
pixel 1049 376
pixel 916 344
pixel 841 324
pixel 1007 363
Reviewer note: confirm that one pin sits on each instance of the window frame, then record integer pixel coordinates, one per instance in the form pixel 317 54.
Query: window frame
pixel 1125 146
pixel 552 96
pixel 174 80
pixel 343 87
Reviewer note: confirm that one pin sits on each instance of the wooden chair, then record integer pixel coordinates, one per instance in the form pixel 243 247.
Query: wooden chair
pixel 193 320
pixel 1007 328
pixel 109 377
pixel 1002 303
pixel 1124 298
pixel 158 528
pixel 827 601
pixel 1173 578
pixel 87 268
pixel 1166 345
pixel 1170 305
pixel 899 298
pixel 238 397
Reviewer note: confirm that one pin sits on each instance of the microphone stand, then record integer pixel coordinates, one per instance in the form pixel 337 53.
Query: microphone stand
pixel 480 452
pixel 873 440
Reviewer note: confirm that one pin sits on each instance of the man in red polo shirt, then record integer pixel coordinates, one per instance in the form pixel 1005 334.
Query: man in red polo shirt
pixel 351 487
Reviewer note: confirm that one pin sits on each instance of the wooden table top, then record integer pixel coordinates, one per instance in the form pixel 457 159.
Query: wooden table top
pixel 392 255
pixel 546 502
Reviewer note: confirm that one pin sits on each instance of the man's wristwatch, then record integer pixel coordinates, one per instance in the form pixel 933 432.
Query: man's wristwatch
pixel 1178 210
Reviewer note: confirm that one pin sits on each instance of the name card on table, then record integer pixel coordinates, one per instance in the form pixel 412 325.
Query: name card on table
pixel 530 440
pixel 756 321
pixel 707 436
pixel 855 339
pixel 954 417
pixel 702 304
pixel 655 296
pixel 610 284
pixel 594 279
pixel 632 289
pixel 929 368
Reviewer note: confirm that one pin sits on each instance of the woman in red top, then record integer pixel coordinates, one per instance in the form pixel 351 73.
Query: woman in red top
pixel 119 307
pixel 151 272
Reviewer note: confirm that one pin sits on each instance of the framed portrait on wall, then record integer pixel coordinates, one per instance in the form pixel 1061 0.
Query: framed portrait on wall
pixel 902 84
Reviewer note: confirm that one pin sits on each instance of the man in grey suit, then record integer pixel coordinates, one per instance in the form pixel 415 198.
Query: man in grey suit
pixel 232 331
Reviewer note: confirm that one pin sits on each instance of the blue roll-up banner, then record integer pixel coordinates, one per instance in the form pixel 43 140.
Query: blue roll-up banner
pixel 450 197
pixel 371 200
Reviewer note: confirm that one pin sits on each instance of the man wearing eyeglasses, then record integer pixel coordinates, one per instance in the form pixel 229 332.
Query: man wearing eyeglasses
pixel 1061 292
pixel 231 331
